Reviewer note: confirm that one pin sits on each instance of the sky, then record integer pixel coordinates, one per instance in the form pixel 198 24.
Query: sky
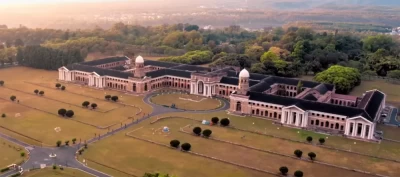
pixel 2 2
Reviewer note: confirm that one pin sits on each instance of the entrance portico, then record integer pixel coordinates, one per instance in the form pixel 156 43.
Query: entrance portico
pixel 359 127
pixel 294 116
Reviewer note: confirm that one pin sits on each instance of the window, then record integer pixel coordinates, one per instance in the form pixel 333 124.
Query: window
pixel 317 114
pixel 322 115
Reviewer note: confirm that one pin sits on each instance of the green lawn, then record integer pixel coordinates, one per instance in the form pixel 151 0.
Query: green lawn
pixel 187 102
pixel 49 172
pixel 10 153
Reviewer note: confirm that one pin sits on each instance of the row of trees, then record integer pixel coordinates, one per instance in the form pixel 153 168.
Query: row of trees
pixel 87 103
pixel 224 121
pixel 36 91
pixel 63 112
pixel 109 97
pixel 184 146
pixel 193 57
pixel 59 86
pixel 206 133
pixel 285 170
pixel 47 58
pixel 298 153
pixel 59 142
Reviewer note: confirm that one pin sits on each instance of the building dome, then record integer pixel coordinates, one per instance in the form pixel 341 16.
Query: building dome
pixel 139 59
pixel 244 73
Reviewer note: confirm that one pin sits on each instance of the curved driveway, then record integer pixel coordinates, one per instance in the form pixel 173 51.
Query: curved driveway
pixel 66 154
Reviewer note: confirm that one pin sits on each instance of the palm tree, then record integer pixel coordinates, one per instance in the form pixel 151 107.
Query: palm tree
pixel 284 170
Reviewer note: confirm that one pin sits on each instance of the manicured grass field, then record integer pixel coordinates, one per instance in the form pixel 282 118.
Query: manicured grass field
pixel 35 122
pixel 10 153
pixel 186 101
pixel 49 172
pixel 391 90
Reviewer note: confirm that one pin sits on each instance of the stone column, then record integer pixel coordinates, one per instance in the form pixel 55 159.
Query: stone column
pixel 355 128
pixel 347 128
pixel 283 116
pixel 371 131
pixel 297 122
pixel 363 131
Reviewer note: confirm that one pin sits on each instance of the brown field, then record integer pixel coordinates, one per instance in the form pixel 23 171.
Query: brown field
pixel 49 172
pixel 187 102
pixel 10 153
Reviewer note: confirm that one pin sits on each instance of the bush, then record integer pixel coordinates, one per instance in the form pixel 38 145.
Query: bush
pixel 86 146
pixel 58 143
pixel 1 83
pixel 107 97
pixel 22 154
pixel 41 93
pixel 67 143
pixel 80 151
pixel 73 140
pixel 298 153
pixel 215 120
pixel 224 122
pixel 197 130
pixel 207 133
pixel 3 115
pixel 309 139
pixel 175 143
pixel 186 146
pixel 94 105
pixel 62 87
pixel 36 91
pixel 298 173
pixel 62 112
pixel 54 167
pixel 312 155
pixel 322 140
pixel 85 103
pixel 114 98
pixel 284 170
pixel 58 85
pixel 4 169
pixel 69 113
pixel 12 98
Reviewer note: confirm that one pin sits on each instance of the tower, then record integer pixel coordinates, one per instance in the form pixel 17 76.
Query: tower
pixel 244 76
pixel 139 67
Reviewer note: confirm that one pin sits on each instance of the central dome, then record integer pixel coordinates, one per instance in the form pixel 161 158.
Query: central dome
pixel 244 73
pixel 139 59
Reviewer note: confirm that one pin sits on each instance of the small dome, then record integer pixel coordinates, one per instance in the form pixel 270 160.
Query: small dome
pixel 244 73
pixel 139 59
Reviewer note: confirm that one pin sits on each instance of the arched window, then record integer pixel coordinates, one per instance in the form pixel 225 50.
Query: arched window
pixel 257 111
pixel 317 122
pixel 145 87
pixel 337 126
pixel 238 106
pixel 326 124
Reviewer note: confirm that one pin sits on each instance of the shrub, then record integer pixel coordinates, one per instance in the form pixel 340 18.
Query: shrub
pixel 4 169
pixel 69 113
pixel 107 97
pixel 309 139
pixel 54 167
pixel 73 140
pixel 3 115
pixel 224 122
pixel 298 173
pixel 58 85
pixel 41 93
pixel 215 120
pixel 284 170
pixel 94 105
pixel 36 91
pixel 67 143
pixel 114 98
pixel 175 143
pixel 197 130
pixel 186 146
pixel 207 133
pixel 322 140
pixel 298 153
pixel 58 143
pixel 1 83
pixel 85 103
pixel 62 87
pixel 12 98
pixel 312 155
pixel 62 112
pixel 86 146
pixel 22 154
pixel 80 151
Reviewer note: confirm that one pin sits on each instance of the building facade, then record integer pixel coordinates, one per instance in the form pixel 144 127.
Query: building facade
pixel 314 106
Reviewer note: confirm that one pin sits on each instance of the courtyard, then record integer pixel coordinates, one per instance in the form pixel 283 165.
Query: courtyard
pixel 185 101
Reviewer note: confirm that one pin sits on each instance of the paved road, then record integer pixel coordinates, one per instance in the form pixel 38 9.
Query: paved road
pixel 393 117
pixel 65 155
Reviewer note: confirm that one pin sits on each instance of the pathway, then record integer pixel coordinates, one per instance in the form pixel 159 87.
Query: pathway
pixel 66 154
